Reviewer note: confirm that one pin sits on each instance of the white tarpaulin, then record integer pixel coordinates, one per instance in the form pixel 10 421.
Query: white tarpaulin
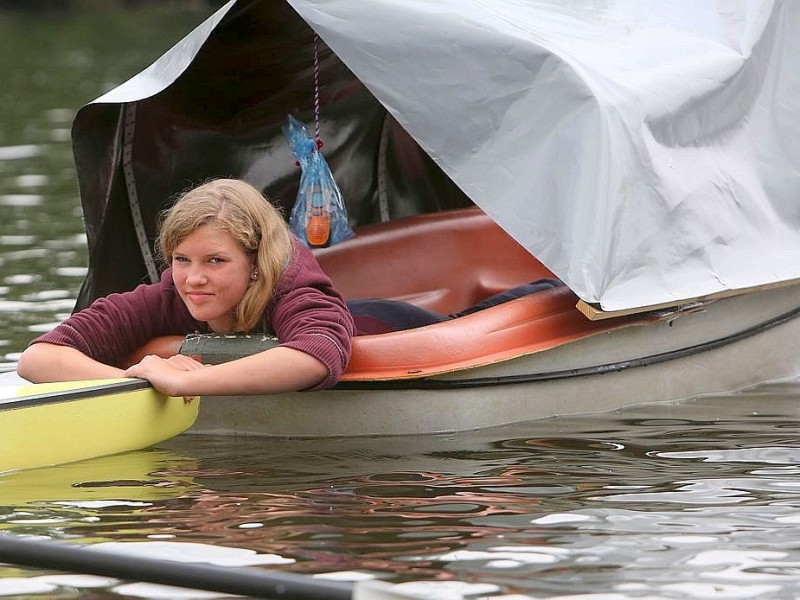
pixel 645 151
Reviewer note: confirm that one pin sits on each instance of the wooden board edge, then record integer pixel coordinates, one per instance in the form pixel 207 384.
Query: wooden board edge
pixel 595 313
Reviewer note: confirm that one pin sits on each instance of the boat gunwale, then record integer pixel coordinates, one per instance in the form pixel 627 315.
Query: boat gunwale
pixel 432 383
pixel 96 390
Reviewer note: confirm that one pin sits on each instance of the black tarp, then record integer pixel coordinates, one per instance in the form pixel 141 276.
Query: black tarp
pixel 222 117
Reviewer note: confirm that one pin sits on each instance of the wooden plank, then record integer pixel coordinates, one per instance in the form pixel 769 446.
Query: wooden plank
pixel 594 313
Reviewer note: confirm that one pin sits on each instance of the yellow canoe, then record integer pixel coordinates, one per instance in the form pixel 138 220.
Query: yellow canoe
pixel 47 424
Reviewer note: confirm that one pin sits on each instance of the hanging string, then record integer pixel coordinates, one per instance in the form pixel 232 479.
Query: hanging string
pixel 316 92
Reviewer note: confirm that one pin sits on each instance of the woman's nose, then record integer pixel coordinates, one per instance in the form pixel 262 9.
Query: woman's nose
pixel 196 275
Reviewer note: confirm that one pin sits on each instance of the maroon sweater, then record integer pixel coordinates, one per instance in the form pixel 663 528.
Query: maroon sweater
pixel 306 313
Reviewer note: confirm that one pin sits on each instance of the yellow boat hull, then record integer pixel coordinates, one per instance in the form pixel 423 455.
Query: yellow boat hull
pixel 55 423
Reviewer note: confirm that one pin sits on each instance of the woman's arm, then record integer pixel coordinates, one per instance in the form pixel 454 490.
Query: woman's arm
pixel 43 362
pixel 272 371
pixel 275 370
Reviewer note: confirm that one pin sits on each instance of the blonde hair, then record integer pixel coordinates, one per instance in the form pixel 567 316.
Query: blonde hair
pixel 239 209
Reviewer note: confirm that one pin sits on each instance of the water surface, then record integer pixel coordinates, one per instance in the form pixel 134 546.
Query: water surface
pixel 699 499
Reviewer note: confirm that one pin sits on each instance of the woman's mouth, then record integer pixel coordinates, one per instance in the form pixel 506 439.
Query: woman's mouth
pixel 198 296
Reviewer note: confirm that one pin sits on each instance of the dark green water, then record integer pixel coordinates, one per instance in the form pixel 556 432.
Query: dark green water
pixel 51 63
pixel 692 500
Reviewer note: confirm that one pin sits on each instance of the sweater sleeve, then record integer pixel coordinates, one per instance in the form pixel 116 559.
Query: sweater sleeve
pixel 112 327
pixel 309 315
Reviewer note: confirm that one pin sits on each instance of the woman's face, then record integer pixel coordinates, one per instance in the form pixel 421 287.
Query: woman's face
pixel 211 272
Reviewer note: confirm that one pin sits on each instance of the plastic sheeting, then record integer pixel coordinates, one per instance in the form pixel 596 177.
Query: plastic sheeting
pixel 645 151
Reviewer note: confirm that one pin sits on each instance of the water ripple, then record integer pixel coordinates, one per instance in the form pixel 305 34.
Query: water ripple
pixel 26 200
pixel 776 456
pixel 20 151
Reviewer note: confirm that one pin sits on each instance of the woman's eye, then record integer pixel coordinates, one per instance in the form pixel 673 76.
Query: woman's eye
pixel 180 259
pixel 216 260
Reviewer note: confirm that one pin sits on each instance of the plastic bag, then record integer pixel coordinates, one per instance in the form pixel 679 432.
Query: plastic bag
pixel 318 217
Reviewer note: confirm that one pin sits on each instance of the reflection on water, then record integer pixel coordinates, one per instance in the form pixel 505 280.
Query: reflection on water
pixel 692 500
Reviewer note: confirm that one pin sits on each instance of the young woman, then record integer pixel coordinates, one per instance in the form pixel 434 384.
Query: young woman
pixel 233 267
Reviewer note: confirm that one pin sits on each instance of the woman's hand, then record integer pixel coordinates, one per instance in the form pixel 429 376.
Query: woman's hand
pixel 271 371
pixel 185 363
pixel 167 375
